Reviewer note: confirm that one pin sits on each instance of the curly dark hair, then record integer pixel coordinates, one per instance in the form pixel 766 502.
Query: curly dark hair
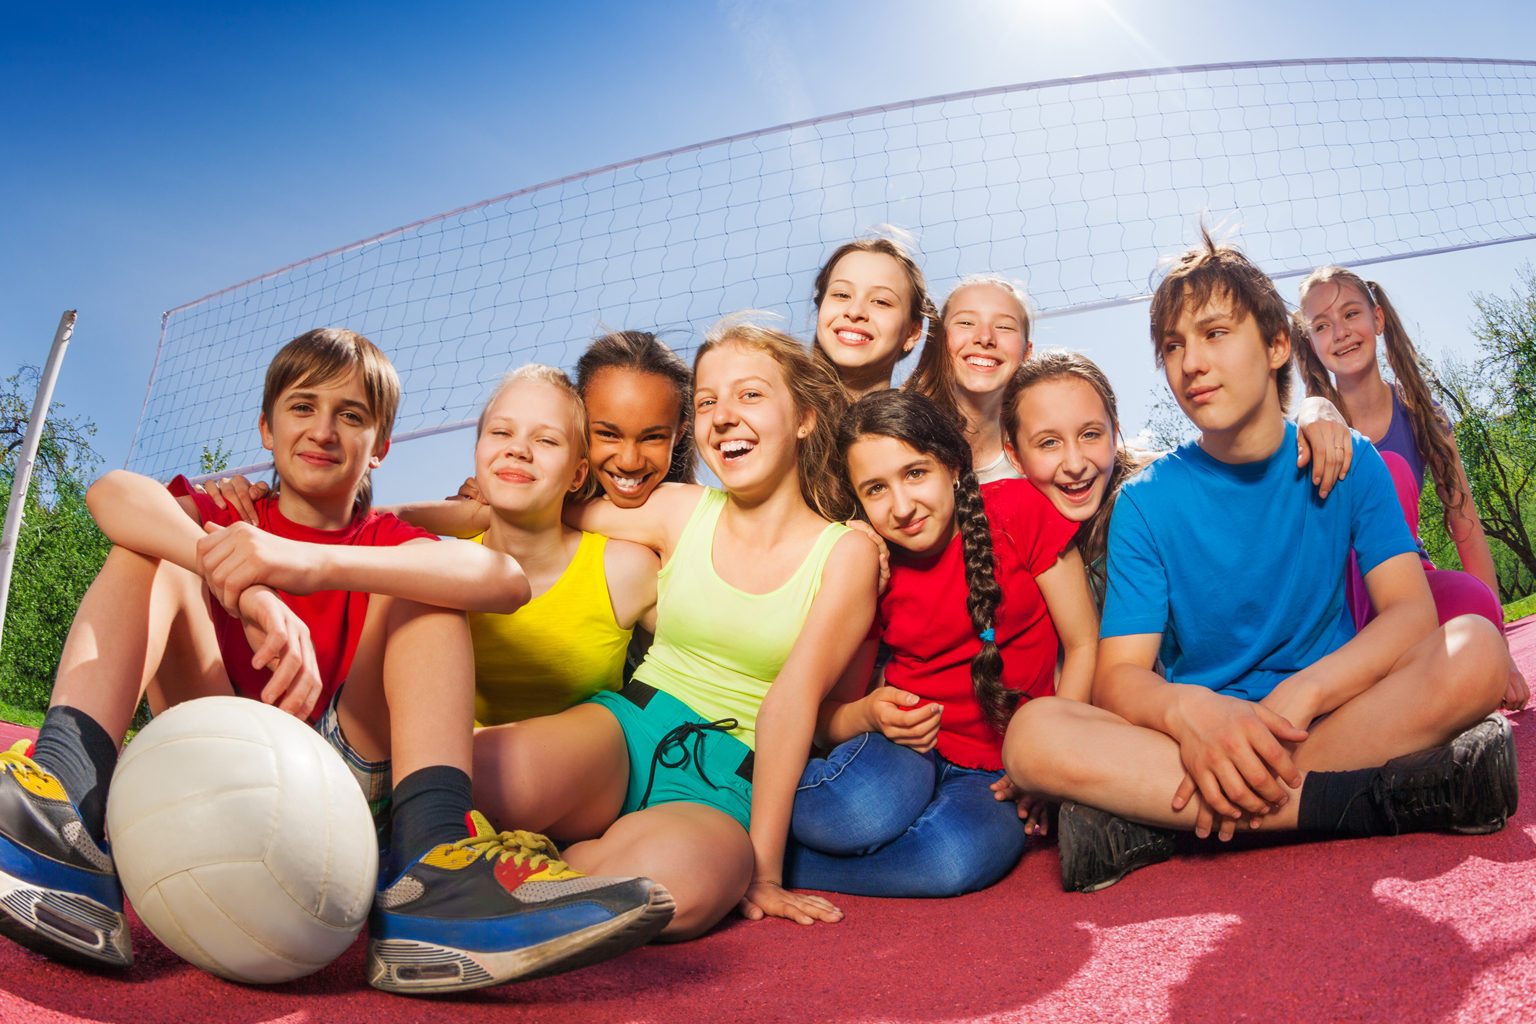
pixel 919 423
pixel 642 352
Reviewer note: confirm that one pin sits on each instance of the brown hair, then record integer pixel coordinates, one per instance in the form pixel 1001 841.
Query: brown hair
pixel 816 392
pixel 935 373
pixel 642 352
pixel 1059 364
pixel 1431 427
pixel 917 422
pixel 326 354
pixel 1208 271
pixel 919 308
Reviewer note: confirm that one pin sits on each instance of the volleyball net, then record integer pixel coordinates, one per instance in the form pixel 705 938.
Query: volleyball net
pixel 1074 186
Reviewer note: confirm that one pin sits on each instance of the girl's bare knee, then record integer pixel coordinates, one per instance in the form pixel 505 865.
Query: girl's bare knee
pixel 1477 668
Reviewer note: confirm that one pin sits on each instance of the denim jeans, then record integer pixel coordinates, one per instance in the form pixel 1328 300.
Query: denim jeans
pixel 879 819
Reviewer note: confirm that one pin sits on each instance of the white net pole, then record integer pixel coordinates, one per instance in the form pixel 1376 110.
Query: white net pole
pixel 22 478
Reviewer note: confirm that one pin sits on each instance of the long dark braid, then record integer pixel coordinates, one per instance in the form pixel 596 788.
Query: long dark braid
pixel 919 423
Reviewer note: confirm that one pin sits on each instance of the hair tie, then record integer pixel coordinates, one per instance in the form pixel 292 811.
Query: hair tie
pixel 988 636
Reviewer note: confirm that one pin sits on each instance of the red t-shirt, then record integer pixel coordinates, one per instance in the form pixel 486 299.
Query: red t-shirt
pixel 922 617
pixel 334 617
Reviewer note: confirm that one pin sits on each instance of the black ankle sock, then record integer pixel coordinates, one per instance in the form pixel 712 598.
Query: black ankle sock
pixel 429 806
pixel 76 750
pixel 1341 803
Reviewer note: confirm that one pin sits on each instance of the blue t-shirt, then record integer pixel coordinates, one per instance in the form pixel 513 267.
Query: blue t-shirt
pixel 1241 568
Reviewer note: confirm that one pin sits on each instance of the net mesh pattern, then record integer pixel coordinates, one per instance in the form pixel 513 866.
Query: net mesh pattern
pixel 1075 187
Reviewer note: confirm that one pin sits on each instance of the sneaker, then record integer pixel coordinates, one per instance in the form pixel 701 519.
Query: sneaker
pixel 1470 785
pixel 1098 849
pixel 502 906
pixel 59 893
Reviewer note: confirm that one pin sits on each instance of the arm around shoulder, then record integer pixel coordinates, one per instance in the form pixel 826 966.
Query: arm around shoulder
pixel 657 524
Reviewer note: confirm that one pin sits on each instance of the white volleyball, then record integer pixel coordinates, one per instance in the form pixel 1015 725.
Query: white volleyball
pixel 242 840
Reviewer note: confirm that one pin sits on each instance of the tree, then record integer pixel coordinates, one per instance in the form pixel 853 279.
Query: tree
pixel 1492 406
pixel 59 551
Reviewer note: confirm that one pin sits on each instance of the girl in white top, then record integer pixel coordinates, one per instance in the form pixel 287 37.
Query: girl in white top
pixel 983 339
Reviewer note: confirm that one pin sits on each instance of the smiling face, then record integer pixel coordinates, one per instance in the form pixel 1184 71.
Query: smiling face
pixel 323 438
pixel 984 330
pixel 634 424
pixel 1342 325
pixel 745 421
pixel 528 456
pixel 908 496
pixel 863 323
pixel 1065 445
pixel 1219 367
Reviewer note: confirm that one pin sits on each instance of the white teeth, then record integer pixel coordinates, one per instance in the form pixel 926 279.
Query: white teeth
pixel 737 446
pixel 628 483
pixel 982 361
pixel 852 336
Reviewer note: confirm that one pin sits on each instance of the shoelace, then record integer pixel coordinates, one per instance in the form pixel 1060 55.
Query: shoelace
pixel 16 760
pixel 678 738
pixel 522 847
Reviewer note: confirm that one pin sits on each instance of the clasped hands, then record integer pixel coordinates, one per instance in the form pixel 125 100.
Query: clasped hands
pixel 1235 755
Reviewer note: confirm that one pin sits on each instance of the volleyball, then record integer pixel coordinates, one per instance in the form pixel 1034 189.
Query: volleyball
pixel 242 840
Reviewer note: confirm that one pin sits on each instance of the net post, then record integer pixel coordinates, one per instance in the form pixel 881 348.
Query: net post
pixel 23 474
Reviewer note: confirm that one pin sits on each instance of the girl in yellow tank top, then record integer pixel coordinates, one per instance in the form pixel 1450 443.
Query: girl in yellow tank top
pixel 569 641
pixel 764 602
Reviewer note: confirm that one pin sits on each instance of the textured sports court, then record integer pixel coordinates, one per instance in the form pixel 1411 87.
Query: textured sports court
pixel 1417 928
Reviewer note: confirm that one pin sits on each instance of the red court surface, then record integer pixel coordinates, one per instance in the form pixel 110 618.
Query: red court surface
pixel 1416 928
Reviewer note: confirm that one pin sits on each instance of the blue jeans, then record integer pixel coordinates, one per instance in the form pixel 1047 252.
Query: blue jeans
pixel 879 819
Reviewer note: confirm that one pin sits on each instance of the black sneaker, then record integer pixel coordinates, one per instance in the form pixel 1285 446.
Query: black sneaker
pixel 59 893
pixel 1098 849
pixel 1470 785
pixel 501 906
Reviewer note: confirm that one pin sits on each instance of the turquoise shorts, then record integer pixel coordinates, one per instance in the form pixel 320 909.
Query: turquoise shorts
pixel 677 757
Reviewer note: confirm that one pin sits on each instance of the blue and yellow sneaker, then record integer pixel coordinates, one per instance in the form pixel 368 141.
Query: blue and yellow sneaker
pixel 59 892
pixel 502 906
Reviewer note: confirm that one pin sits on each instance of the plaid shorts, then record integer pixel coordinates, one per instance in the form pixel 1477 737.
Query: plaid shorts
pixel 372 776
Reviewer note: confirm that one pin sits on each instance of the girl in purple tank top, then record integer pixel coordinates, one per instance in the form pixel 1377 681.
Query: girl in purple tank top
pixel 1342 316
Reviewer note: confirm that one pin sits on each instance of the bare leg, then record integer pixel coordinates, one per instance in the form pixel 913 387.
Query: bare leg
pixel 410 693
pixel 142 626
pixel 563 774
pixel 701 855
pixel 1447 682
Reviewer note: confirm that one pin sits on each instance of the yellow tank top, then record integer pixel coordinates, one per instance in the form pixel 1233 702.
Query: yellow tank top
pixel 717 648
pixel 553 652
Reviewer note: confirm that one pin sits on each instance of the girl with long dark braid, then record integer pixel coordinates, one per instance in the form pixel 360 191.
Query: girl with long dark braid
pixel 985 583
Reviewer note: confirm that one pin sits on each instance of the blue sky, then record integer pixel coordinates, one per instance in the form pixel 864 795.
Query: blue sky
pixel 151 155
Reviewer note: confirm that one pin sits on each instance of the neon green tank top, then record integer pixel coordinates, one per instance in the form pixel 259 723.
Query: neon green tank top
pixel 553 652
pixel 718 649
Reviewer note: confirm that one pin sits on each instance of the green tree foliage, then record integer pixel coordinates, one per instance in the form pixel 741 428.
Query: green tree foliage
pixel 215 459
pixel 59 551
pixel 1492 405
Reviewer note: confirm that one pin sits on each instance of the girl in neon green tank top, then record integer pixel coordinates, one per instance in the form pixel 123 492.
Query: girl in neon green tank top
pixel 763 601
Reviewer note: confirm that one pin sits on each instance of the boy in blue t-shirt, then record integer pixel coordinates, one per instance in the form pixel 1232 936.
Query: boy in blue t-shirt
pixel 1225 564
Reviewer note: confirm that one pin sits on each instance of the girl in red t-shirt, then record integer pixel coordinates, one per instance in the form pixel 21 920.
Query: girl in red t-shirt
pixel 985 585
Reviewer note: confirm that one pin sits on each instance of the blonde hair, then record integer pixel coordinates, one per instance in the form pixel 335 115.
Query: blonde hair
pixel 816 393
pixel 935 372
pixel 326 354
pixel 555 378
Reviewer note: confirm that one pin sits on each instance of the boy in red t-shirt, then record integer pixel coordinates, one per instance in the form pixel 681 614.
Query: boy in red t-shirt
pixel 320 591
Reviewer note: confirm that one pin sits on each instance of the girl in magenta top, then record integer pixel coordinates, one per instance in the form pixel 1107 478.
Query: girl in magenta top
pixel 985 586
pixel 1342 316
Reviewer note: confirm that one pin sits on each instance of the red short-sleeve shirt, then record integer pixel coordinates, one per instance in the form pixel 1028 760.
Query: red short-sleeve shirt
pixel 923 619
pixel 334 617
